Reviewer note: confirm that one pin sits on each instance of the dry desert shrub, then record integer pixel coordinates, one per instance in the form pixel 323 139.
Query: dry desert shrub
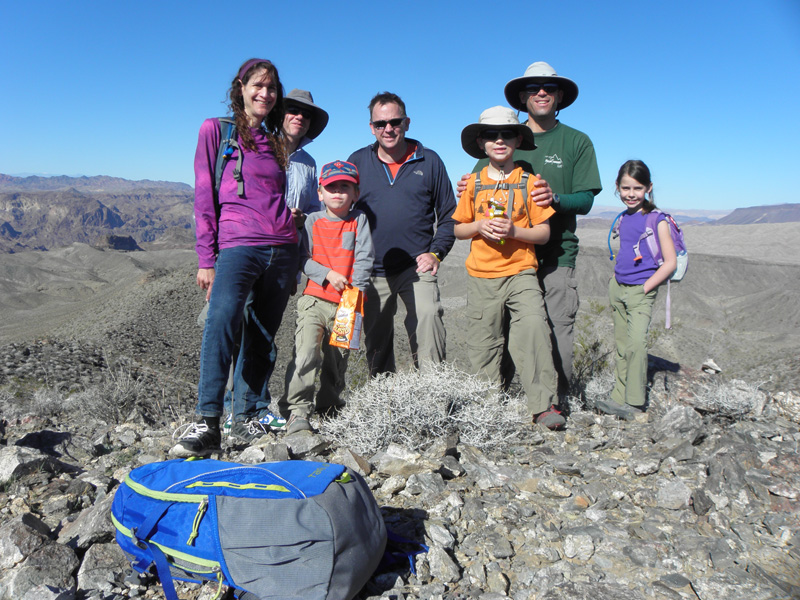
pixel 414 409
pixel 733 399
pixel 113 399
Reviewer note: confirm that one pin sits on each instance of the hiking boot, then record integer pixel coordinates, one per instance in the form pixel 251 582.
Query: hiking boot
pixel 610 407
pixel 297 423
pixel 249 431
pixel 551 418
pixel 199 439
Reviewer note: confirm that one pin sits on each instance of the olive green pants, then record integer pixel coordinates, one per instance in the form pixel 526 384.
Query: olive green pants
pixel 313 355
pixel 631 309
pixel 488 301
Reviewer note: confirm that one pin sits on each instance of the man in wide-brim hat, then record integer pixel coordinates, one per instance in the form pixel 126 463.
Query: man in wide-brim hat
pixel 566 160
pixel 303 122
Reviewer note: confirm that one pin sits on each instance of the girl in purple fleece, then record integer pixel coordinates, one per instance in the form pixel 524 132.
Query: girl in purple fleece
pixel 246 241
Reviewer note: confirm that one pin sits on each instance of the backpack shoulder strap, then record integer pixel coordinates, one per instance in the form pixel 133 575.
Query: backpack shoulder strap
pixel 650 235
pixel 523 186
pixel 228 143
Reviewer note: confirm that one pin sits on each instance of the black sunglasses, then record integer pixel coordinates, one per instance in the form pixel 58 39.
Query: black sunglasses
pixel 533 88
pixel 395 123
pixel 296 110
pixel 493 134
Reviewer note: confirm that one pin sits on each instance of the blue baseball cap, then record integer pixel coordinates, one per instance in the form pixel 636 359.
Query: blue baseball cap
pixel 338 170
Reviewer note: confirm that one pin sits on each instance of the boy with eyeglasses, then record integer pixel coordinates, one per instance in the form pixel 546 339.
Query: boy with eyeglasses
pixel 496 213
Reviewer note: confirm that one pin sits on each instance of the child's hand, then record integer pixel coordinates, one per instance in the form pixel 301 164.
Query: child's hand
pixel 503 227
pixel 337 280
pixel 461 185
pixel 495 229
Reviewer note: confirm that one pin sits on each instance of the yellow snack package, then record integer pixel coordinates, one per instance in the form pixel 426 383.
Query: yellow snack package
pixel 346 331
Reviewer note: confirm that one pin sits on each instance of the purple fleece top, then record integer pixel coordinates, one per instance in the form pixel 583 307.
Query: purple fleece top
pixel 261 218
pixel 627 270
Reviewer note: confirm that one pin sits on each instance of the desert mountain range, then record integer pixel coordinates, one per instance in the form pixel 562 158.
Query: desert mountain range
pixel 42 213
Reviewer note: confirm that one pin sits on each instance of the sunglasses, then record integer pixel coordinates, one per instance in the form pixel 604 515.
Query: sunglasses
pixel 395 123
pixel 534 88
pixel 493 134
pixel 294 110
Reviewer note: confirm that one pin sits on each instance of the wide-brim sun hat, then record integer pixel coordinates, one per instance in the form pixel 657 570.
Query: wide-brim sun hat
pixel 540 72
pixel 304 99
pixel 497 117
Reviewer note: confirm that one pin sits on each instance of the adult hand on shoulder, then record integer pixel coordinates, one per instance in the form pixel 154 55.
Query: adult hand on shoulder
pixel 205 279
pixel 541 194
pixel 427 262
pixel 461 185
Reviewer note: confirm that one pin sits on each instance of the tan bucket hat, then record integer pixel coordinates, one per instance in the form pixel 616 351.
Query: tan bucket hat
pixel 304 99
pixel 497 117
pixel 540 72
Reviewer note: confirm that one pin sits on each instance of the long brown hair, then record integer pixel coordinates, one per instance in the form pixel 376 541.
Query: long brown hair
pixel 274 119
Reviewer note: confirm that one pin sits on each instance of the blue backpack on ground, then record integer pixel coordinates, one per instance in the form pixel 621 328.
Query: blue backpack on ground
pixel 292 529
pixel 650 236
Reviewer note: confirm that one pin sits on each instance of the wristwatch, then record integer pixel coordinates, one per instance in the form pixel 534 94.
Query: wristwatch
pixel 556 199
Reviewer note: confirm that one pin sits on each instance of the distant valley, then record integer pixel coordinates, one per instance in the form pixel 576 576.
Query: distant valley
pixel 44 213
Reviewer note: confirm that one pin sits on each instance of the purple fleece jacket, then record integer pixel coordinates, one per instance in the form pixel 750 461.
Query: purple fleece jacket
pixel 260 218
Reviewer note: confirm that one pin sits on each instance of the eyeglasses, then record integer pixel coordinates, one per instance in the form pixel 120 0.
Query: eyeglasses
pixel 295 110
pixel 534 88
pixel 493 134
pixel 395 123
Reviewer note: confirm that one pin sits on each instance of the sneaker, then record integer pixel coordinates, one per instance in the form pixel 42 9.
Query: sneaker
pixel 551 418
pixel 297 423
pixel 272 422
pixel 249 430
pixel 226 426
pixel 610 407
pixel 196 439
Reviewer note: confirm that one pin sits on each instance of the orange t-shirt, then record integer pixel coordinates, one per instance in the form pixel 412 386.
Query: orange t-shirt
pixel 489 259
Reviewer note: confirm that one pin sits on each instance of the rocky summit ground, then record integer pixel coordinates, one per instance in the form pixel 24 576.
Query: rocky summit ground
pixel 696 498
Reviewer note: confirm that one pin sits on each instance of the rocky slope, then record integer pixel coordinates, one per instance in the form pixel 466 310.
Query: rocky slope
pixel 698 498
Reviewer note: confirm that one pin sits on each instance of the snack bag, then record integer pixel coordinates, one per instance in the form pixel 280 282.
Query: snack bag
pixel 346 332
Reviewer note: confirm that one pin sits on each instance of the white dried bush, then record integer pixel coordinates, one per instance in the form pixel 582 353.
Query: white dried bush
pixel 734 398
pixel 599 387
pixel 414 409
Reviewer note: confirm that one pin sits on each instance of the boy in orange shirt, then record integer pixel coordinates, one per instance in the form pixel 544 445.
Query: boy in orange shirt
pixel 496 213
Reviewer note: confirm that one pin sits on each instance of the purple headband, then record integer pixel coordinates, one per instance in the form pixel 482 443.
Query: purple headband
pixel 246 66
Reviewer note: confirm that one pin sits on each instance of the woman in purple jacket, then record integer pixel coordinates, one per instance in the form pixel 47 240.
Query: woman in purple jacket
pixel 246 241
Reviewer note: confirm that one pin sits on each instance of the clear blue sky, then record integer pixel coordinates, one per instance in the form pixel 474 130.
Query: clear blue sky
pixel 705 91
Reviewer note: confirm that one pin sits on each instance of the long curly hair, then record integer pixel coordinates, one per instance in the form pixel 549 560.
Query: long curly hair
pixel 274 120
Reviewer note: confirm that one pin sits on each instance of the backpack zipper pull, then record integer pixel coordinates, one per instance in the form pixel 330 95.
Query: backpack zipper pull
pixel 201 510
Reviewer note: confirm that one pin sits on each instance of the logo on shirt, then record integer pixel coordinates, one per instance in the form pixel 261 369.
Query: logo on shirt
pixel 554 160
pixel 419 172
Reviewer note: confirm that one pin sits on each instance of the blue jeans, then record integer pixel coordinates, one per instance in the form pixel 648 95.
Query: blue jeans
pixel 269 272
